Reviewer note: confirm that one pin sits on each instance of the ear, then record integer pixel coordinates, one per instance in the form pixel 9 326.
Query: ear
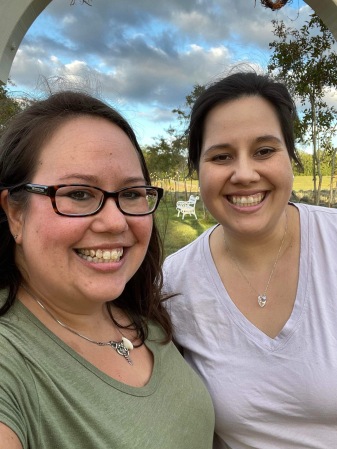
pixel 14 215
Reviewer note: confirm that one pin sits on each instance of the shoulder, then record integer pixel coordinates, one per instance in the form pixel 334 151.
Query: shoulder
pixel 3 297
pixel 184 268
pixel 309 208
pixel 18 396
pixel 318 226
pixel 318 215
pixel 156 332
pixel 12 359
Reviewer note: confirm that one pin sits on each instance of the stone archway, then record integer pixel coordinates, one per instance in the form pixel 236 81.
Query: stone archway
pixel 18 15
pixel 327 11
pixel 15 19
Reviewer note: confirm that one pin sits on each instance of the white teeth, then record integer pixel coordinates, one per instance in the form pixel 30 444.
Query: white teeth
pixel 245 201
pixel 100 256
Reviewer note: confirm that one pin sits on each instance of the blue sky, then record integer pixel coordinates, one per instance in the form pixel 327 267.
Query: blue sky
pixel 145 56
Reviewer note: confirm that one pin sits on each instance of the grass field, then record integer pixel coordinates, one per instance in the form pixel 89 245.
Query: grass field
pixel 177 233
pixel 306 183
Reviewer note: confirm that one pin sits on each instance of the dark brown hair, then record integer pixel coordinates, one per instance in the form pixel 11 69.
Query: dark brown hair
pixel 20 146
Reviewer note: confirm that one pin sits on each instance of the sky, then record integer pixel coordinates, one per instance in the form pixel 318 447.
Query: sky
pixel 145 56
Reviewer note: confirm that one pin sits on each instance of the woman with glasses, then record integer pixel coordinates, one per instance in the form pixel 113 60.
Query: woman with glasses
pixel 86 358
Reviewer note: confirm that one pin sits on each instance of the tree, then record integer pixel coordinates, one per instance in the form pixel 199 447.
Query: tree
pixel 305 61
pixel 165 157
pixel 331 152
pixel 184 114
pixel 168 156
pixel 306 160
pixel 86 2
pixel 8 106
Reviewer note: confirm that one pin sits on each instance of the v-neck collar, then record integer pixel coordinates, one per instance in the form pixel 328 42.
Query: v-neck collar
pixel 243 323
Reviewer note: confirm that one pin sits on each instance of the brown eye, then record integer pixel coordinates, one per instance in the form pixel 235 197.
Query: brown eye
pixel 76 194
pixel 265 152
pixel 221 158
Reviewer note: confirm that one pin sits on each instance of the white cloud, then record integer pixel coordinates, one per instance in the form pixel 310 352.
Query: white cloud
pixel 142 55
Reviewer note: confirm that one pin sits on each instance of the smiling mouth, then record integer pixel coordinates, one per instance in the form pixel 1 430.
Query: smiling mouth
pixel 100 255
pixel 246 200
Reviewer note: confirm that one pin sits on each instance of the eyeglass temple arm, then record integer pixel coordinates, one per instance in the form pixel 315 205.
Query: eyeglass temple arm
pixel 37 188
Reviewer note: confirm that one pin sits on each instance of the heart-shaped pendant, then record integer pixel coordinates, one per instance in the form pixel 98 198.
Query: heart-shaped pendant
pixel 262 300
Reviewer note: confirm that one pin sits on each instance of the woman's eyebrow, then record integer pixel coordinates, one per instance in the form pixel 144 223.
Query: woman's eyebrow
pixel 218 146
pixel 92 179
pixel 268 138
pixel 261 139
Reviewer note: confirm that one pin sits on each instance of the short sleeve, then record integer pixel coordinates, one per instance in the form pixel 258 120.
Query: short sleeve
pixel 16 388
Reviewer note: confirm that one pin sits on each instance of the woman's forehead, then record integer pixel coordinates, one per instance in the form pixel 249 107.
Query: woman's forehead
pixel 89 145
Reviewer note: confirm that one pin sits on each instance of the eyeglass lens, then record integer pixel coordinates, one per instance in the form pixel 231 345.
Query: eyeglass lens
pixel 80 200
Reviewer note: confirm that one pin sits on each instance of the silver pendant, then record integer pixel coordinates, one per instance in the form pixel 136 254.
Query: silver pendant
pixel 262 300
pixel 121 348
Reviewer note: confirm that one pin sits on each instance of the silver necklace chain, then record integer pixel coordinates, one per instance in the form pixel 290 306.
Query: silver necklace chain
pixel 261 297
pixel 122 347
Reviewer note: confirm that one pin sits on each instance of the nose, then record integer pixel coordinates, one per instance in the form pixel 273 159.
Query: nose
pixel 110 219
pixel 244 171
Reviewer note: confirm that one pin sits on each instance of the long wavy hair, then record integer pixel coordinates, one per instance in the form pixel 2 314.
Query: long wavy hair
pixel 20 146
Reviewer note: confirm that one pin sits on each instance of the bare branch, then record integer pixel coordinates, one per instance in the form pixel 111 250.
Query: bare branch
pixel 87 2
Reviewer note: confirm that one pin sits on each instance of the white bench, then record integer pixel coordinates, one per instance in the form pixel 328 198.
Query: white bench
pixel 187 207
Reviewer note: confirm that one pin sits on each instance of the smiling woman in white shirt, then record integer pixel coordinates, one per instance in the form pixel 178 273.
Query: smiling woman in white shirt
pixel 256 295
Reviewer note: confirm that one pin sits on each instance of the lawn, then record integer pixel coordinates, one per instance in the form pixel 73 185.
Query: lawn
pixel 176 232
pixel 306 183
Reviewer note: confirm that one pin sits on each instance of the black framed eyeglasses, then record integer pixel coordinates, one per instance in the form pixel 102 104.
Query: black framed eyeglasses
pixel 81 200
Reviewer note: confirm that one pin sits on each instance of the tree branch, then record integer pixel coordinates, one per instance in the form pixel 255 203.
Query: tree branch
pixel 87 2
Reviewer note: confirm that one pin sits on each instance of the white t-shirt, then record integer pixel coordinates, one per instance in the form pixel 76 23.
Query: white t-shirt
pixel 268 393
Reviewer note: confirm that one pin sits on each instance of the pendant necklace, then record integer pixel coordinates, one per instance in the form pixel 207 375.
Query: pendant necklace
pixel 122 347
pixel 261 297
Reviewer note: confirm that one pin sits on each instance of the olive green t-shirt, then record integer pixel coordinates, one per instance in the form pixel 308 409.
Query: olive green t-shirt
pixel 52 398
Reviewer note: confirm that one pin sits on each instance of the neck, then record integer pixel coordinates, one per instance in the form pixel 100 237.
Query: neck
pixel 255 248
pixel 92 321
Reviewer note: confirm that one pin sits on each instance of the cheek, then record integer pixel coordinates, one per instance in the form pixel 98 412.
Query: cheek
pixel 286 175
pixel 51 232
pixel 141 228
pixel 210 181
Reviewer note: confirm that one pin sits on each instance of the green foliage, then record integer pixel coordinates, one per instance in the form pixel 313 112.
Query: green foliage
pixel 185 113
pixel 8 106
pixel 305 61
pixel 167 158
pixel 304 58
pixel 307 162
